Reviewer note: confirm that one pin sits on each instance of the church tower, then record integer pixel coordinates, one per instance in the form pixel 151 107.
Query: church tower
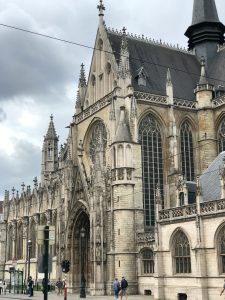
pixel 50 151
pixel 126 206
pixel 206 31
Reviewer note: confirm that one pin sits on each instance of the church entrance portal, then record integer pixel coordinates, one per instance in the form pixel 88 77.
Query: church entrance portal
pixel 81 251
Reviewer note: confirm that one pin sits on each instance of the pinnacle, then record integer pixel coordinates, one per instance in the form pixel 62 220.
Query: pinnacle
pixel 51 133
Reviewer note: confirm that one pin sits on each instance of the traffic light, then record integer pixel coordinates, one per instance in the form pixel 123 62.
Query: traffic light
pixel 65 266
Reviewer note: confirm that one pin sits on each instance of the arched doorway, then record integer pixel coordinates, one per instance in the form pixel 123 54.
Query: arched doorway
pixel 80 252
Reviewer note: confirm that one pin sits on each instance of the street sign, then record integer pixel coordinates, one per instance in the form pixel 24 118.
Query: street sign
pixel 41 264
pixel 40 235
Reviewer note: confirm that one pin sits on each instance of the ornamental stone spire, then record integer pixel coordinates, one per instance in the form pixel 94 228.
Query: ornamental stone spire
pixel 51 133
pixel 124 65
pixel 81 90
pixel 50 151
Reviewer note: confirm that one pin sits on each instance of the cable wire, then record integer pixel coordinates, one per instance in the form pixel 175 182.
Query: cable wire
pixel 108 52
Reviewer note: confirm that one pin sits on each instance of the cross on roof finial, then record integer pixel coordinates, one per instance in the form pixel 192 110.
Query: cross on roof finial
pixel 124 30
pixel 101 8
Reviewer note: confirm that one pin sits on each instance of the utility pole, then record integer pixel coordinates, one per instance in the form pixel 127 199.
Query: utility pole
pixel 46 249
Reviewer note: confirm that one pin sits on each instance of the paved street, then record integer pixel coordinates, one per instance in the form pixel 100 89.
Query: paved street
pixel 53 296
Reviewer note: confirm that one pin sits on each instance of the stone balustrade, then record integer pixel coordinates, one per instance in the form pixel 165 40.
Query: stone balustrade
pixel 206 208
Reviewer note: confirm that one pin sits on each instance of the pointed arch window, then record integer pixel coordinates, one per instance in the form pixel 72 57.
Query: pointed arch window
pixel 221 250
pixel 147 261
pixel 33 239
pixel 182 256
pixel 20 242
pixel 10 238
pixel 98 142
pixel 221 136
pixel 152 165
pixel 187 155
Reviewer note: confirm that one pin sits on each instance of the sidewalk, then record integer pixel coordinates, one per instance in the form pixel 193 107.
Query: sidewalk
pixel 53 296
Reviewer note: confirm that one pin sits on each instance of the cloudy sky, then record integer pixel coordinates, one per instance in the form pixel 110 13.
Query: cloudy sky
pixel 38 76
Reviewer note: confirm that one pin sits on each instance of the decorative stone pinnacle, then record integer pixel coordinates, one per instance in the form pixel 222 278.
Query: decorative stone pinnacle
pixel 13 191
pixel 51 117
pixel 23 186
pixel 35 181
pixel 101 8
pixel 82 78
pixel 203 61
pixel 124 30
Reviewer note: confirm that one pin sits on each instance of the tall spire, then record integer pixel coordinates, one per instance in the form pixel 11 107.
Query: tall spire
pixel 51 133
pixel 204 11
pixel 206 31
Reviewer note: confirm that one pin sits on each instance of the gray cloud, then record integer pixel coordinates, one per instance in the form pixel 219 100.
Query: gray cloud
pixel 20 166
pixel 43 73
pixel 2 115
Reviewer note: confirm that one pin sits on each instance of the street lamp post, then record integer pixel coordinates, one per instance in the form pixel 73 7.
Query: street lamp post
pixel 82 279
pixel 29 245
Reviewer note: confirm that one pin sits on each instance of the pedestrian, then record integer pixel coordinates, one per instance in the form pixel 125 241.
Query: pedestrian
pixel 59 285
pixel 123 285
pixel 223 288
pixel 116 288
pixel 30 285
pixel 1 286
pixel 4 286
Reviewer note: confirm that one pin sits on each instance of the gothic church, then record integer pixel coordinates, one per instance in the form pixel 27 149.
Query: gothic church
pixel 138 188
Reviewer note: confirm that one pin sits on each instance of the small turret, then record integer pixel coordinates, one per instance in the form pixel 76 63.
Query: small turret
pixel 50 150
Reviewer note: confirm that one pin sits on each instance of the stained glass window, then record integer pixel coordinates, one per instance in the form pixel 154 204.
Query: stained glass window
pixel 222 250
pixel 221 136
pixel 187 156
pixel 152 165
pixel 147 261
pixel 182 255
pixel 20 242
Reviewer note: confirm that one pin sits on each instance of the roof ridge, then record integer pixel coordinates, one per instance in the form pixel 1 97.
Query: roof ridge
pixel 147 40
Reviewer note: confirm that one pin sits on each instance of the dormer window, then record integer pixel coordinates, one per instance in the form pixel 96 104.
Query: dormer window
pixel 142 77
pixel 219 91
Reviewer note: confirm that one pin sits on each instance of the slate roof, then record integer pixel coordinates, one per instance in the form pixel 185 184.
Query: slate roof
pixel 156 59
pixel 210 179
pixel 216 74
pixel 204 11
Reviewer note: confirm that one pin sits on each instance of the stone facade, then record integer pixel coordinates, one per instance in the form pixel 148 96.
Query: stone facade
pixel 127 176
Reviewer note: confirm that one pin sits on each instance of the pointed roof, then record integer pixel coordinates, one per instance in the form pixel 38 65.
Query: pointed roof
pixel 206 26
pixel 156 59
pixel 204 11
pixel 51 133
pixel 123 132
